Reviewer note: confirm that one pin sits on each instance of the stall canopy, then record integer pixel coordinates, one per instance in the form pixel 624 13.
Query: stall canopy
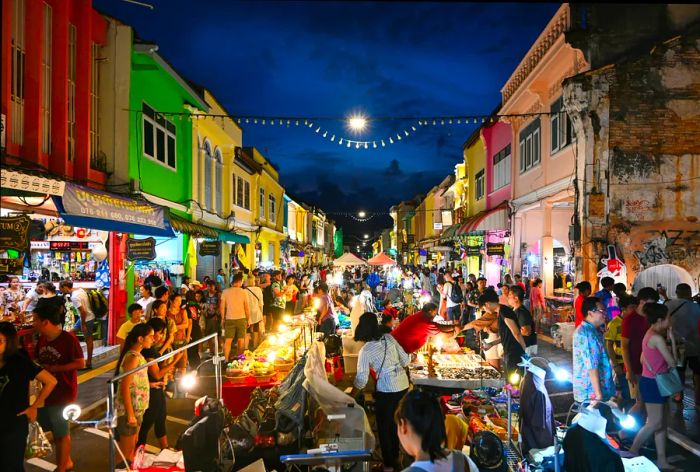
pixel 348 259
pixel 95 209
pixel 381 259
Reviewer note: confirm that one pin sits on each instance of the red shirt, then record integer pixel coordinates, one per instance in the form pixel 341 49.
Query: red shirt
pixel 413 332
pixel 62 350
pixel 391 311
pixel 578 305
pixel 634 327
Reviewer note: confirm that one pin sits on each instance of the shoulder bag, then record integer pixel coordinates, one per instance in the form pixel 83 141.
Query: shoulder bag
pixel 669 383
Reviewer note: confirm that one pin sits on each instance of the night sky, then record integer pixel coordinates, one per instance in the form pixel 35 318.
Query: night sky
pixel 330 59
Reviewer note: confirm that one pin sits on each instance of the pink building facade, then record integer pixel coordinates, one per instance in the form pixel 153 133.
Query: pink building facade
pixel 497 141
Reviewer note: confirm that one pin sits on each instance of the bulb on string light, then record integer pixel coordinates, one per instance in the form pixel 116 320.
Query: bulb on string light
pixel 311 125
pixel 405 132
pixel 383 143
pixel 357 145
pixel 332 138
pixel 434 123
pixel 365 145
pixel 280 122
pixel 255 121
pixel 306 122
pixel 475 120
pixel 296 123
pixel 458 122
pixel 413 128
pixel 450 122
pixel 442 122
pixel 349 143
pixel 272 122
pixel 374 144
pixel 247 120
pixel 339 142
pixel 391 141
pixel 398 136
pixel 483 120
pixel 318 129
pixel 239 121
pixel 263 121
pixel 325 133
pixel 288 122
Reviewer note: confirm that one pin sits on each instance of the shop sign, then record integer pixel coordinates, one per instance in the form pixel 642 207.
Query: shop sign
pixel 85 202
pixel 473 251
pixel 11 266
pixel 14 232
pixel 437 226
pixel 495 249
pixel 69 245
pixel 141 249
pixel 30 183
pixel 209 248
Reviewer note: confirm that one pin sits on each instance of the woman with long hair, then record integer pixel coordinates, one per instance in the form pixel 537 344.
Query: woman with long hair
pixel 16 371
pixel 656 359
pixel 160 310
pixel 182 335
pixel 133 391
pixel 421 430
pixel 157 411
pixel 387 358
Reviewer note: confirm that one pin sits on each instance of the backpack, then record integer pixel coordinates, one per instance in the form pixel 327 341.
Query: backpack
pixel 98 303
pixel 456 293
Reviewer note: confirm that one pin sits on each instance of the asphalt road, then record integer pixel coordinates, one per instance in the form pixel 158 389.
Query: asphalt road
pixel 90 447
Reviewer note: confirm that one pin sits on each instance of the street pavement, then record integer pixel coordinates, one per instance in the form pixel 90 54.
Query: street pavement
pixel 90 446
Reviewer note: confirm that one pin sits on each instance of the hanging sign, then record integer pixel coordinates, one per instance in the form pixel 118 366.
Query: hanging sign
pixel 209 248
pixel 11 266
pixel 14 233
pixel 141 249
pixel 495 249
pixel 90 203
pixel 473 251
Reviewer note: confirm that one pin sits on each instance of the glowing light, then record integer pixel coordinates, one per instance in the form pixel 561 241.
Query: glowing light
pixel 72 412
pixel 357 123
pixel 628 422
pixel 283 328
pixel 366 236
pixel 273 339
pixel 562 375
pixel 362 214
pixel 514 378
pixel 188 381
pixel 272 356
pixel 438 344
pixel 287 318
pixel 317 303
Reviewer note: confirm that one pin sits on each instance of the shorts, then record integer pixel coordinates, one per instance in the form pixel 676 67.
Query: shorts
pixel 51 419
pixel 235 329
pixel 454 313
pixel 125 429
pixel 277 313
pixel 650 391
pixel 89 324
pixel 254 327
pixel 494 353
pixel 212 325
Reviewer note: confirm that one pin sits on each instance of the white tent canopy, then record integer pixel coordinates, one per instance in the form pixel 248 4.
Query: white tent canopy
pixel 348 259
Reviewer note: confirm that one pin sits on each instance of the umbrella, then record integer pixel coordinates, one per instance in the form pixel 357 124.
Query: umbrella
pixel 348 259
pixel 381 259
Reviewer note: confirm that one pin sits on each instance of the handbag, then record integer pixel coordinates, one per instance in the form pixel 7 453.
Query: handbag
pixel 669 383
pixel 37 443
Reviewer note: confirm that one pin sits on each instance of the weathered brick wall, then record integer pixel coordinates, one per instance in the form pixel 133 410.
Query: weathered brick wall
pixel 654 150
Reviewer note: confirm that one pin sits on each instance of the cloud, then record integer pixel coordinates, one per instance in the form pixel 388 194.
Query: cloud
pixel 393 169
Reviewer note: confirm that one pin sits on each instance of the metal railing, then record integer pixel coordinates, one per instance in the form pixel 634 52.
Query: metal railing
pixel 113 381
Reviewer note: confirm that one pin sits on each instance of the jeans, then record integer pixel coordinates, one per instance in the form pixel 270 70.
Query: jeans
pixel 385 404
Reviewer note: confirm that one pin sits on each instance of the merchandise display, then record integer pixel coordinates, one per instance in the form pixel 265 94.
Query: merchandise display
pixel 463 370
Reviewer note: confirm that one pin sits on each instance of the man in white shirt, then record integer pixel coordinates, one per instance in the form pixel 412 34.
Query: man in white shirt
pixel 81 302
pixel 255 302
pixel 453 308
pixel 235 315
pixel 32 297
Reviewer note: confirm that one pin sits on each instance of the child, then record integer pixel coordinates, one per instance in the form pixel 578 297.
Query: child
pixel 135 317
pixel 133 393
pixel 59 353
pixel 390 309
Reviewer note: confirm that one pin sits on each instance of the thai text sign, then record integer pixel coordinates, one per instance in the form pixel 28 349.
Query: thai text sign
pixel 14 233
pixel 495 249
pixel 473 250
pixel 209 248
pixel 90 203
pixel 141 249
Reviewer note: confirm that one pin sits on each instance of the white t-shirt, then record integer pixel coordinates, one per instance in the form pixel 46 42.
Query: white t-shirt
pixel 79 297
pixel 444 465
pixel 33 299
pixel 255 302
pixel 447 290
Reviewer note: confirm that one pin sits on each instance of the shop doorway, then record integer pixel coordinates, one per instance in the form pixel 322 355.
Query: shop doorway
pixel 668 275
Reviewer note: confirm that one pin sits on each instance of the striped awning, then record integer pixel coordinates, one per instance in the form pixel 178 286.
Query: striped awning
pixel 494 219
pixel 449 233
pixel 181 225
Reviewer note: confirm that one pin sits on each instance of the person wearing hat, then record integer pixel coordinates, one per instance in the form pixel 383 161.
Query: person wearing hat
pixel 422 433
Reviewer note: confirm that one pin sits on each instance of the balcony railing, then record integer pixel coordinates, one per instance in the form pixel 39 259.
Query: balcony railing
pixel 556 27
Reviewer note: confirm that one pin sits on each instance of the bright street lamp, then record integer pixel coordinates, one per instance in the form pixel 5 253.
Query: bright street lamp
pixel 362 214
pixel 357 123
pixel 366 236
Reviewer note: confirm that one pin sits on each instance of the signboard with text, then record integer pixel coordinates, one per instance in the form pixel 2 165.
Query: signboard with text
pixel 14 233
pixel 209 248
pixel 495 249
pixel 473 251
pixel 141 249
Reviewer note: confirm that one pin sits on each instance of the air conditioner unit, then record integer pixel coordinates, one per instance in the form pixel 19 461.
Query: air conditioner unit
pixel 523 247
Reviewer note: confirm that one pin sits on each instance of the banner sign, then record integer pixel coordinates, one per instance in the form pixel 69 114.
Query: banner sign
pixel 11 266
pixel 495 249
pixel 209 248
pixel 14 233
pixel 474 251
pixel 141 249
pixel 91 203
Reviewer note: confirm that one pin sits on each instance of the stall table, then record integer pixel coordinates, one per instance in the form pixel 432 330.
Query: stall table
pixel 446 365
pixel 236 396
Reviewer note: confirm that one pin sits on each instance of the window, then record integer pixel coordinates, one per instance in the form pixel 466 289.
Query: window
pixel 208 187
pixel 479 185
pixel 273 215
pixel 72 75
pixel 262 204
pixel 17 72
pixel 242 192
pixel 530 146
pixel 97 161
pixel 159 137
pixel 46 81
pixel 501 168
pixel 219 181
pixel 561 127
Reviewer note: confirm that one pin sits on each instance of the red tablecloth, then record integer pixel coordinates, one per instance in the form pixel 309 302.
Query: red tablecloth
pixel 237 396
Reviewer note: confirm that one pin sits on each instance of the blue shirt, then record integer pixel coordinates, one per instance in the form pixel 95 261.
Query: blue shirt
pixel 608 301
pixel 589 353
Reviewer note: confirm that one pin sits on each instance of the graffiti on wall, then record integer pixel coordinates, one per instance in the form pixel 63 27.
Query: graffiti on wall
pixel 612 265
pixel 638 210
pixel 668 247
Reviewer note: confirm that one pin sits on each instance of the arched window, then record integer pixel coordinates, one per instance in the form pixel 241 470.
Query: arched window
pixel 208 187
pixel 219 181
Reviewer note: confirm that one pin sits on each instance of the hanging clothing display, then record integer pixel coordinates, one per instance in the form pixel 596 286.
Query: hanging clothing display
pixel 536 418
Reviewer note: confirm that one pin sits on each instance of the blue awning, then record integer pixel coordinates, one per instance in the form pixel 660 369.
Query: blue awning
pixel 90 208
pixel 231 237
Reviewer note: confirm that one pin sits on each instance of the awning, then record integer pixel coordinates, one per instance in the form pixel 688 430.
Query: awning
pixel 231 237
pixel 495 219
pixel 90 208
pixel 381 259
pixel 181 225
pixel 449 232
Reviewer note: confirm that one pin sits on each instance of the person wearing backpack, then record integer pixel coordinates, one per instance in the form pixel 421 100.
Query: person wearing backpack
pixel 100 308
pixel 80 300
pixel 452 294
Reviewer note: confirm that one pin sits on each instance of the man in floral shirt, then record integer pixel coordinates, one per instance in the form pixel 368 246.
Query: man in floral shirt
pixel 593 375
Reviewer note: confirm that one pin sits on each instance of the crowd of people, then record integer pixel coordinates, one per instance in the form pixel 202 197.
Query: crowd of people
pixel 622 344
